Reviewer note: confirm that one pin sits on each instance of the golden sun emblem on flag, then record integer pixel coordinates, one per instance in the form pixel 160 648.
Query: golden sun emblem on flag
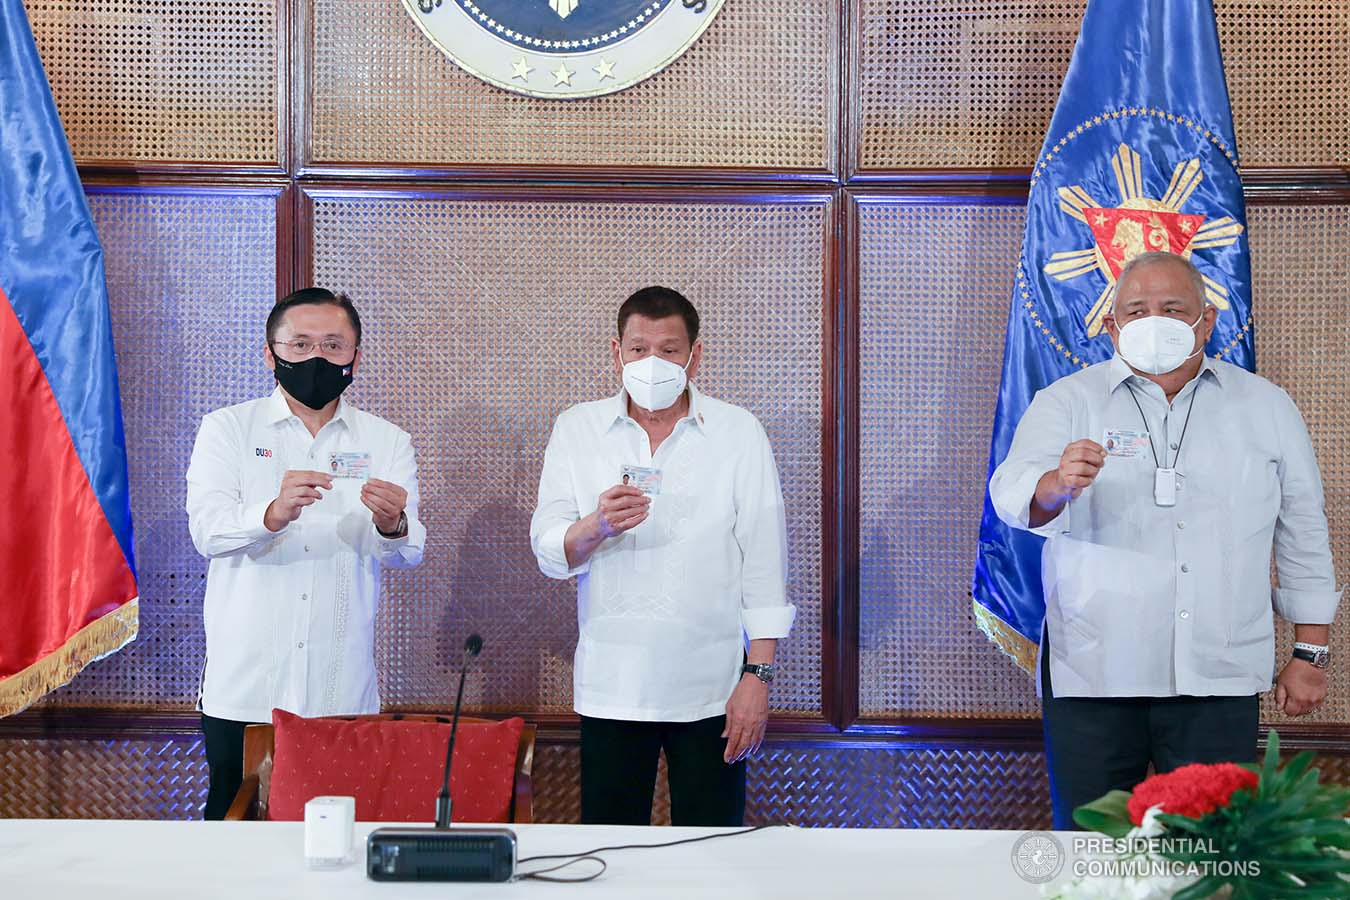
pixel 1139 224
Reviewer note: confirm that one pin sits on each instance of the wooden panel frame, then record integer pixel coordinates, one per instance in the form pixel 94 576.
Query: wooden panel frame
pixel 304 166
pixel 838 693
pixel 281 191
pixel 94 170
pixel 295 181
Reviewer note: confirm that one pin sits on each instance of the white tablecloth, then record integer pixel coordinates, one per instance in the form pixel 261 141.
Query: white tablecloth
pixel 92 860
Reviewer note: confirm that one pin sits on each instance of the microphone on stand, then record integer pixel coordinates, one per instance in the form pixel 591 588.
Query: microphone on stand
pixel 472 647
pixel 443 853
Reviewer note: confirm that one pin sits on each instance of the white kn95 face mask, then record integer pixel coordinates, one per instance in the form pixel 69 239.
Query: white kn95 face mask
pixel 654 383
pixel 1158 344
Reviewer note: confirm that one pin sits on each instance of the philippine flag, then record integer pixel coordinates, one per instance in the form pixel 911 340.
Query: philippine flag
pixel 66 563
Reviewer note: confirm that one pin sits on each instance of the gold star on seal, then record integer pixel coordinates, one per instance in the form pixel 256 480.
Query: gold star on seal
pixel 562 76
pixel 605 69
pixel 522 70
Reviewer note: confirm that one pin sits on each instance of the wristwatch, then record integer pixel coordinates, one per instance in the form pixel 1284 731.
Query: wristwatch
pixel 1312 653
pixel 763 671
pixel 400 530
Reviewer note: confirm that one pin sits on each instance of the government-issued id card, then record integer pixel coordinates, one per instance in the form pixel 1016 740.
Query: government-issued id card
pixel 349 465
pixel 646 480
pixel 1125 444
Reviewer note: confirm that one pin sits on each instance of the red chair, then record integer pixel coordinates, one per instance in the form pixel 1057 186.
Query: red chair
pixel 392 763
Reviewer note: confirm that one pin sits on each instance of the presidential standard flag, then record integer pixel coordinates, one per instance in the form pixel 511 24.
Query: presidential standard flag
pixel 1140 156
pixel 69 585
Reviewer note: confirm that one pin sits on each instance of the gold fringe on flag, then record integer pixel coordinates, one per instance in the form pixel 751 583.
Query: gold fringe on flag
pixel 1011 642
pixel 94 641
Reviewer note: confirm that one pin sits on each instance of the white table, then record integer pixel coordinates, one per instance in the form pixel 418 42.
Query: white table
pixel 56 859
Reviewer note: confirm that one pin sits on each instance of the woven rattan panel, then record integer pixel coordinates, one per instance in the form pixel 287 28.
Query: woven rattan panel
pixel 755 90
pixel 160 80
pixel 935 283
pixel 485 319
pixel 557 786
pixel 190 280
pixel 859 787
pixel 125 778
pixel 853 787
pixel 957 83
pixel 1299 296
pixel 165 777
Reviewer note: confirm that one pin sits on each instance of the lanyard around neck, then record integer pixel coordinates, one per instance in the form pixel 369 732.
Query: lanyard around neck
pixel 1149 430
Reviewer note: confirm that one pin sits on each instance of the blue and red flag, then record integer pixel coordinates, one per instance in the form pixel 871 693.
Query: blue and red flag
pixel 66 563
pixel 1140 156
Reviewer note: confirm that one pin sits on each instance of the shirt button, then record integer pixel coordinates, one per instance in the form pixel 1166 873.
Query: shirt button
pixel 1179 525
pixel 1173 445
pixel 1185 568
pixel 1185 614
pixel 304 596
pixel 301 645
pixel 307 545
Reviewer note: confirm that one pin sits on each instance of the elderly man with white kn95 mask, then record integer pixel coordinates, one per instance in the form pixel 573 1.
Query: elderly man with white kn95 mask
pixel 1162 479
pixel 665 505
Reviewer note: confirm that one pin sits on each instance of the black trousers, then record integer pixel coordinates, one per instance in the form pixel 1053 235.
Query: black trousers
pixel 618 773
pixel 1098 744
pixel 224 740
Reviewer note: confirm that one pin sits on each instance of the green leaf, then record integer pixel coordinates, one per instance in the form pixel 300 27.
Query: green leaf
pixel 1205 887
pixel 1319 829
pixel 1108 814
pixel 1299 764
pixel 1272 759
pixel 1299 864
pixel 1186 824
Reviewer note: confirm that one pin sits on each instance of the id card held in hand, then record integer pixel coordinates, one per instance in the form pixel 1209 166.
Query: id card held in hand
pixel 646 480
pixel 349 465
pixel 1126 444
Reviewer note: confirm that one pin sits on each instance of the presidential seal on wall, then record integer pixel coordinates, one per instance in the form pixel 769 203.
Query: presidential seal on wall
pixel 562 49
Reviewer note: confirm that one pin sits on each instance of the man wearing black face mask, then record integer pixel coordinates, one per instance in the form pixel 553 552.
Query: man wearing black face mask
pixel 298 499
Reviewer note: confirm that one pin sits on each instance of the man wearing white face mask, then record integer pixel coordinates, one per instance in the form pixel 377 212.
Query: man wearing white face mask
pixel 1162 480
pixel 665 505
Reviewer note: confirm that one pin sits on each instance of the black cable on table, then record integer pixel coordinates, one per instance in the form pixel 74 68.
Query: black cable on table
pixel 574 858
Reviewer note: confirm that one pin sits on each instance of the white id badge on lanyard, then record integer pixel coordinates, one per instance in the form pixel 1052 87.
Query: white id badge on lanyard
pixel 1165 487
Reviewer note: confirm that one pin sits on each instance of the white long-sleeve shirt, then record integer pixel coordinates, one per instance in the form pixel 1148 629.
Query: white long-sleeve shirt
pixel 664 609
pixel 1149 600
pixel 290 615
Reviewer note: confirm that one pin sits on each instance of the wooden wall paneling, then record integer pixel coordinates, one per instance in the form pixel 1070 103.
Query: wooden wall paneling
pixel 473 282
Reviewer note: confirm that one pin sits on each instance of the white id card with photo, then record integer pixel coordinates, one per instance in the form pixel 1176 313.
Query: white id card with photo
pixel 1126 444
pixel 349 465
pixel 646 480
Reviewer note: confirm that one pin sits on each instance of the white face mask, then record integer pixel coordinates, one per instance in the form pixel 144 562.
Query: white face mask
pixel 654 383
pixel 1158 344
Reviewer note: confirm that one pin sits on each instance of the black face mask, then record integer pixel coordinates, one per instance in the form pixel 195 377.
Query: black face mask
pixel 315 382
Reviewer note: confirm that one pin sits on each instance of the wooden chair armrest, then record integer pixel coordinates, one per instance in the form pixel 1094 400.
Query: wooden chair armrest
pixel 522 797
pixel 522 803
pixel 244 808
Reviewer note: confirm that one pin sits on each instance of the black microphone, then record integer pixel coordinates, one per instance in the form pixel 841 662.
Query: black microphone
pixel 472 647
pixel 443 853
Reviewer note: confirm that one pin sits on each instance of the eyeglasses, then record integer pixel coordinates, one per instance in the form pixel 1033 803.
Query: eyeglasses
pixel 329 348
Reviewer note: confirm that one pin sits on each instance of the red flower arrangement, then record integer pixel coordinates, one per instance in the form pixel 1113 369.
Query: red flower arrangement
pixel 1258 831
pixel 1192 791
